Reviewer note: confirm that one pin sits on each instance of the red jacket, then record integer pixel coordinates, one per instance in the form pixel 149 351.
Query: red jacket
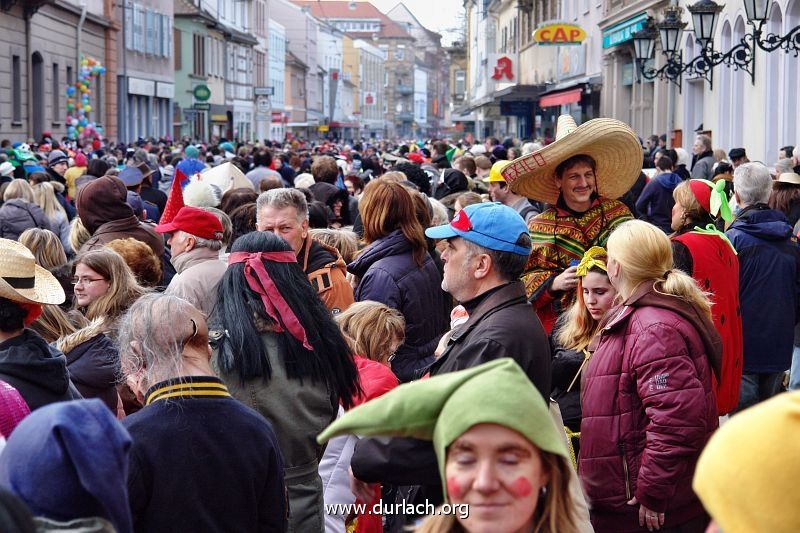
pixel 649 408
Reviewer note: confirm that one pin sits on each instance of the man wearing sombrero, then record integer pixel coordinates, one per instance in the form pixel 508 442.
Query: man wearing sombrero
pixel 27 362
pixel 580 175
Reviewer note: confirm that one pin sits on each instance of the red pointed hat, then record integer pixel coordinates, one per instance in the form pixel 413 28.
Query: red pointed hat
pixel 175 199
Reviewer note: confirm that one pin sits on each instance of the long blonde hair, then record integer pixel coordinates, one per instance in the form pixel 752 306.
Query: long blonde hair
pixel 45 246
pixel 370 328
pixel 555 512
pixel 45 195
pixel 18 188
pixel 78 234
pixel 123 289
pixel 644 254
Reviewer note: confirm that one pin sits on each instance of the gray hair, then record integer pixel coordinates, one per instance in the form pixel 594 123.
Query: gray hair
pixel 281 199
pixel 706 140
pixel 225 220
pixel 752 183
pixel 784 165
pixel 158 343
pixel 508 265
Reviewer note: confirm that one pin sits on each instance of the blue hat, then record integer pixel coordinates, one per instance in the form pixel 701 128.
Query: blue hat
pixel 69 460
pixel 131 176
pixel 491 225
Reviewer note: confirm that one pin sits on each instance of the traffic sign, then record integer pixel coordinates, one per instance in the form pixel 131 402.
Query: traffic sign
pixel 264 91
pixel 263 105
pixel 202 107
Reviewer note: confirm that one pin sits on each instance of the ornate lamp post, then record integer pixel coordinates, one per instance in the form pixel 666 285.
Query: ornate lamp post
pixel 705 15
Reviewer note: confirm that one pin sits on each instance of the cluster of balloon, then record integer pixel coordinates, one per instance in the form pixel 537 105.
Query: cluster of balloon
pixel 78 107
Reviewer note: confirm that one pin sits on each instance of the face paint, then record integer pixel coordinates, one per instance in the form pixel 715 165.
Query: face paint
pixel 521 487
pixel 453 488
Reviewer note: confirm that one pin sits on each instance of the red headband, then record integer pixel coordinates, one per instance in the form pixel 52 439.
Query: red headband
pixel 274 304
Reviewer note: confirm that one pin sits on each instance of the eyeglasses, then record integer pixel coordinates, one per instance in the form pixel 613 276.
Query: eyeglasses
pixel 85 281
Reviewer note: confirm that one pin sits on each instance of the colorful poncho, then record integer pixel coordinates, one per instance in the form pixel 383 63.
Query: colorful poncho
pixel 560 237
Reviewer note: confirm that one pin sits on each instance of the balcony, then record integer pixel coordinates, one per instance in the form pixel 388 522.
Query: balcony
pixel 405 116
pixel 404 89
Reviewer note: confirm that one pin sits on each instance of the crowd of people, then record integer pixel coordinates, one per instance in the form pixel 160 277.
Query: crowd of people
pixel 594 334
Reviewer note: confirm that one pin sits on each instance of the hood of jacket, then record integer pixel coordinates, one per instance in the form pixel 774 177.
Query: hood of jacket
pixel 393 244
pixel 327 192
pixel 669 180
pixel 454 181
pixel 646 295
pixel 28 357
pixel 103 200
pixel 761 222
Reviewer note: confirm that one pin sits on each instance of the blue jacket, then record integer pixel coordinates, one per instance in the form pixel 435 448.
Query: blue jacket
pixel 769 292
pixel 656 201
pixel 390 275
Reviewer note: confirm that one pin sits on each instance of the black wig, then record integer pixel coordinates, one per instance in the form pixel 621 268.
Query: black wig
pixel 239 312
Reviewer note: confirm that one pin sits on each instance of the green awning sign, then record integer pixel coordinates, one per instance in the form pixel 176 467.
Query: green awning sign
pixel 202 93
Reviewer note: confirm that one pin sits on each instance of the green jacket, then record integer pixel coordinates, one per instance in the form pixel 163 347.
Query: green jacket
pixel 298 413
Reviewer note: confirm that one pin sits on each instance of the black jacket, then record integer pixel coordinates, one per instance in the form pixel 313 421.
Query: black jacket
pixel 203 462
pixel 36 370
pixel 501 324
pixel 17 215
pixel 93 363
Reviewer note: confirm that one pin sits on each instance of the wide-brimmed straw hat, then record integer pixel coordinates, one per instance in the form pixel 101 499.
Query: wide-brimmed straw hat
pixel 789 177
pixel 611 143
pixel 22 280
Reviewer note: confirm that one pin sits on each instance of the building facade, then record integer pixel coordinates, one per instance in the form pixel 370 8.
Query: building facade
pixel 145 69
pixel 363 63
pixel 277 81
pixel 41 42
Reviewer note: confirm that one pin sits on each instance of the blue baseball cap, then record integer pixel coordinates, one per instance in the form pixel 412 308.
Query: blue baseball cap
pixel 131 176
pixel 488 224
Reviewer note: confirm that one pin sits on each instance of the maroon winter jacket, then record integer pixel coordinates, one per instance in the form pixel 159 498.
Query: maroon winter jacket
pixel 648 410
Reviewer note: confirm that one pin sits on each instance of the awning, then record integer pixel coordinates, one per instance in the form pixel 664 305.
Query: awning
pixel 561 98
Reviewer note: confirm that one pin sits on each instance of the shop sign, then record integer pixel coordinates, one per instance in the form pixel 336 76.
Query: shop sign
pixel 201 93
pixel 559 34
pixel 623 32
pixel 503 69
pixel 323 128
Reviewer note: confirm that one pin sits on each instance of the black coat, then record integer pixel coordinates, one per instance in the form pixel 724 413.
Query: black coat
pixel 93 363
pixel 204 463
pixel 17 215
pixel 502 324
pixel 37 370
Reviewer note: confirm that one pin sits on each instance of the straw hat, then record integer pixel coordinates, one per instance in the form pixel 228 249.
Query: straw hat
pixel 611 143
pixel 789 177
pixel 22 280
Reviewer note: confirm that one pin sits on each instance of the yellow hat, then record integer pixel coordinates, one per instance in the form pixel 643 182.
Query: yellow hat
pixel 494 173
pixel 747 475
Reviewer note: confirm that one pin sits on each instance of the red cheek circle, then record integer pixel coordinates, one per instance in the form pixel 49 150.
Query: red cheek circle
pixel 521 487
pixel 453 488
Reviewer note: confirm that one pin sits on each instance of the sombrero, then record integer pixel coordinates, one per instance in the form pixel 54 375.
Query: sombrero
pixel 611 143
pixel 22 280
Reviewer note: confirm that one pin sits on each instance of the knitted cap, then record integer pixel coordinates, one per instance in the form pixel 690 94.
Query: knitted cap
pixel 747 474
pixel 444 407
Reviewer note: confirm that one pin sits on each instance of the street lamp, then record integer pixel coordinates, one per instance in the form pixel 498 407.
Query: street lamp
pixel 671 29
pixel 757 11
pixel 705 14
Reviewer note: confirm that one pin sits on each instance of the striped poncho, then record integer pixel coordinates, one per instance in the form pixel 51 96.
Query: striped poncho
pixel 560 237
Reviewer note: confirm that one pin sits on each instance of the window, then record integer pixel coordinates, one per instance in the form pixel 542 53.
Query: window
pixel 56 95
pixel 152 32
pixel 461 83
pixel 129 28
pixel 70 81
pixel 178 50
pixel 386 78
pixel 399 54
pixel 199 68
pixel 16 89
pixel 138 28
